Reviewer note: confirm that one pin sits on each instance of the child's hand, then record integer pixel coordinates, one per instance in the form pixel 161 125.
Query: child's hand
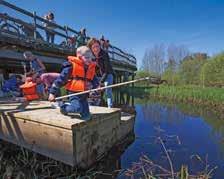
pixel 100 86
pixel 51 97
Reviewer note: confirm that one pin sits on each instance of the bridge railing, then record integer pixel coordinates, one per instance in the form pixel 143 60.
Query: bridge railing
pixel 34 30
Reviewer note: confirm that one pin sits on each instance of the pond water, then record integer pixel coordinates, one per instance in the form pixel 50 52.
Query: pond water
pixel 192 136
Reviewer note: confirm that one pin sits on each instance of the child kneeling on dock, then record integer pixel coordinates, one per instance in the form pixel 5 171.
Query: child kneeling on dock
pixel 77 75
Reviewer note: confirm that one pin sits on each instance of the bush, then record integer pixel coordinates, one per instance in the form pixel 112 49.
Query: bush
pixel 212 72
pixel 142 74
pixel 190 71
pixel 171 77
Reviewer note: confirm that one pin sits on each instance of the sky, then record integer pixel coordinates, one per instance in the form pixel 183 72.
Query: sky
pixel 135 26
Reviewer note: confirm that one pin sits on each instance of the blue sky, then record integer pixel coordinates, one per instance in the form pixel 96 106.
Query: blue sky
pixel 137 25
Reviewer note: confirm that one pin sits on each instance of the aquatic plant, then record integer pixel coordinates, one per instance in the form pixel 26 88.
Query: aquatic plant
pixel 148 169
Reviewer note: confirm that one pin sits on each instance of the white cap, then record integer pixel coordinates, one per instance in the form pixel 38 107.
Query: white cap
pixel 85 51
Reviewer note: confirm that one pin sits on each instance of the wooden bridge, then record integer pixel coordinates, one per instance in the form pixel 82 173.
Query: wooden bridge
pixel 35 125
pixel 18 35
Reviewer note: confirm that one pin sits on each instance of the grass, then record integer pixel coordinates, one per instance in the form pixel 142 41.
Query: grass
pixel 146 168
pixel 189 93
pixel 19 163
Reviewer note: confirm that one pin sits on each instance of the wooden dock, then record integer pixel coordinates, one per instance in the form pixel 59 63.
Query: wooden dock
pixel 38 127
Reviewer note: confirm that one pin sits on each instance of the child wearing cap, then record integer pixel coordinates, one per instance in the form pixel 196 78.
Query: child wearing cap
pixel 77 75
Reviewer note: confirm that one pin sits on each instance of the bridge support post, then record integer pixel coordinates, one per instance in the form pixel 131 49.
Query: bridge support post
pixel 66 31
pixel 35 25
pixel 5 74
pixel 133 77
pixel 132 99
pixel 115 91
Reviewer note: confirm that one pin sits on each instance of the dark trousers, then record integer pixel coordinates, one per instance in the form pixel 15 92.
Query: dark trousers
pixel 77 104
pixel 50 37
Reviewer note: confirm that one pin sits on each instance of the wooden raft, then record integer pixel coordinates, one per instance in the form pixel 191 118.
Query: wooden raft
pixel 38 127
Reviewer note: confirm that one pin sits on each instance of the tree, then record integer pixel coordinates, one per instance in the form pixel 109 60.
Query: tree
pixel 212 72
pixel 190 69
pixel 175 55
pixel 153 60
pixel 142 74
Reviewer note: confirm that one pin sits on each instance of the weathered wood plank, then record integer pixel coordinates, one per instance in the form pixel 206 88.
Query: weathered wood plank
pixel 70 140
pixel 42 112
pixel 47 140
pixel 43 49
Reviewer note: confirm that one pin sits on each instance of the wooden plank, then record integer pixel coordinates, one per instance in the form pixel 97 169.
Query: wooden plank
pixel 68 139
pixel 35 45
pixel 52 51
pixel 47 140
pixel 126 125
pixel 41 112
pixel 96 138
pixel 9 54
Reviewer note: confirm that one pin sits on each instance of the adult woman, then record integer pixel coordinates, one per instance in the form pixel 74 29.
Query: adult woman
pixel 104 68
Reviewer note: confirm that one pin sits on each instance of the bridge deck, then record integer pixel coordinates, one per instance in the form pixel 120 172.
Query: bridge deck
pixel 68 139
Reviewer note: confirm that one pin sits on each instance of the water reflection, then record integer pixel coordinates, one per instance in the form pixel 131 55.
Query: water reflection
pixel 200 131
pixel 110 165
pixel 197 130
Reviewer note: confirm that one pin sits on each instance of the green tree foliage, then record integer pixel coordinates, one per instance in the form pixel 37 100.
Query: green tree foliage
pixel 212 72
pixel 175 55
pixel 182 67
pixel 171 77
pixel 189 70
pixel 142 74
pixel 170 73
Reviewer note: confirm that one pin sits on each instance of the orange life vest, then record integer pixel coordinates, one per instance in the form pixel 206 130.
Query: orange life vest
pixel 29 91
pixel 79 77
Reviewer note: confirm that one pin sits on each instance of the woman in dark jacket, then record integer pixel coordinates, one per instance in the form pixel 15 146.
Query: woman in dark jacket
pixel 104 68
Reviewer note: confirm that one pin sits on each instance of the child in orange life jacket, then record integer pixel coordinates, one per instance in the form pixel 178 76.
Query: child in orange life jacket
pixel 77 75
pixel 37 68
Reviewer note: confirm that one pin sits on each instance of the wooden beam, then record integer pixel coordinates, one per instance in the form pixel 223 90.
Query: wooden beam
pixel 13 55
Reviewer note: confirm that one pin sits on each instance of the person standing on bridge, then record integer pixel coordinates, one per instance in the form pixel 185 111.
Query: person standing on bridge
pixel 77 75
pixel 81 39
pixel 104 68
pixel 49 34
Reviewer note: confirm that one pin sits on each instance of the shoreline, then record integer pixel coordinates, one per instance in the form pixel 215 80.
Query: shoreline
pixel 188 94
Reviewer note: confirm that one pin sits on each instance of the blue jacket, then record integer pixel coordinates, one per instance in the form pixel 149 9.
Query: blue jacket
pixel 35 66
pixel 11 85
